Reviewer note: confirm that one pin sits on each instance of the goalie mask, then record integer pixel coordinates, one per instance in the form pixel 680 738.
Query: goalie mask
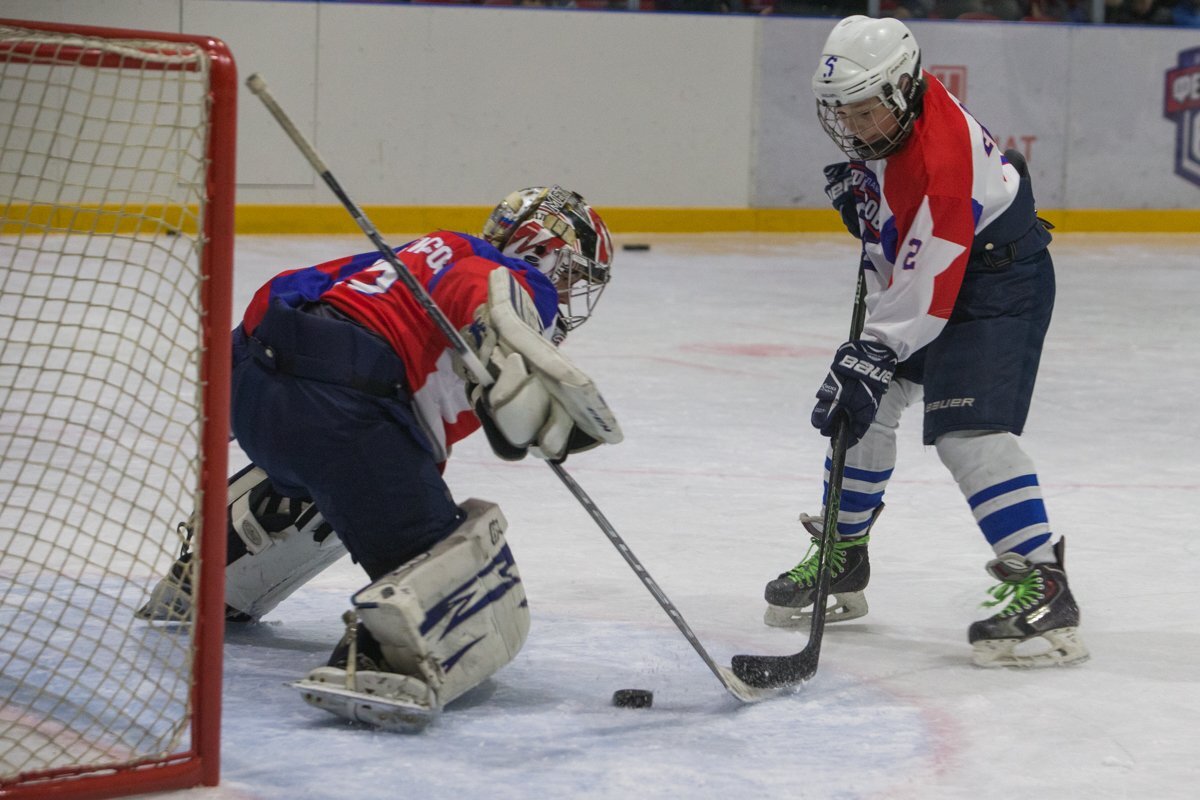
pixel 868 86
pixel 560 234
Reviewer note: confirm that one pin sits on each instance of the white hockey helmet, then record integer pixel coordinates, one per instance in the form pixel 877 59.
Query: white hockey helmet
pixel 556 231
pixel 873 65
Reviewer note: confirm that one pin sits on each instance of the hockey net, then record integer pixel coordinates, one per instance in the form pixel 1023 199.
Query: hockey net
pixel 116 178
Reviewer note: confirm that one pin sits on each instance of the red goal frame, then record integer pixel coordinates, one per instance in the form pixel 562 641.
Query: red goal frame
pixel 200 763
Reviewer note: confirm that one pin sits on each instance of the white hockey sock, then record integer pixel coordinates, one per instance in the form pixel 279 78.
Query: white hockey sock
pixel 870 462
pixel 1001 486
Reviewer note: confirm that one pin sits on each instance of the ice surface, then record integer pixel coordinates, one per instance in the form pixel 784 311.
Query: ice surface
pixel 709 349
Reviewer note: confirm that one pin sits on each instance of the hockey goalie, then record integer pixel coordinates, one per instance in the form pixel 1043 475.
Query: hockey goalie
pixel 347 399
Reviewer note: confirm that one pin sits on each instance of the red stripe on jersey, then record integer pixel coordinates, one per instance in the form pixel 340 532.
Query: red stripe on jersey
pixel 938 164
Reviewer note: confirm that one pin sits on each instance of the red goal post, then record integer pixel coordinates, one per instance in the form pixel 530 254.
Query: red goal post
pixel 117 179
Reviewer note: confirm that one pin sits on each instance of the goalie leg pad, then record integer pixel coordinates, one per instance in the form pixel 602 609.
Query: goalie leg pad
pixel 275 545
pixel 454 615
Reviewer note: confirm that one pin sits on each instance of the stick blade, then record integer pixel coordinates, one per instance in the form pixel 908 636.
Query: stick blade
pixel 742 690
pixel 776 672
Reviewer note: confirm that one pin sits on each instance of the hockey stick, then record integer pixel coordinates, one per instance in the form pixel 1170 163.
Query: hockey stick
pixel 258 86
pixel 773 672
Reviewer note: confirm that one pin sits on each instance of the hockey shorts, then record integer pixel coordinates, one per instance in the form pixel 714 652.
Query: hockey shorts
pixel 979 373
pixel 320 404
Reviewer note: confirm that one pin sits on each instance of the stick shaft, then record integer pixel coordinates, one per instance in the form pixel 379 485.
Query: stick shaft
pixel 259 87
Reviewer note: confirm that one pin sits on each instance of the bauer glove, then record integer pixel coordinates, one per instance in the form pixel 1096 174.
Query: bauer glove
pixel 840 190
pixel 861 373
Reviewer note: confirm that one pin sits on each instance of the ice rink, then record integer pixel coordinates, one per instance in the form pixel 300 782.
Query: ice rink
pixel 709 349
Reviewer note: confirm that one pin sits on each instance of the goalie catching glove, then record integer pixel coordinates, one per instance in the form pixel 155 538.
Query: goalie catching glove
pixel 540 402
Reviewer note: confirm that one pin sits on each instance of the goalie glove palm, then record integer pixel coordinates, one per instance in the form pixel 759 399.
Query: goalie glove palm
pixel 861 373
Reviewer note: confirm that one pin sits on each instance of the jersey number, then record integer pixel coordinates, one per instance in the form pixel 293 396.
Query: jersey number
pixel 437 255
pixel 910 260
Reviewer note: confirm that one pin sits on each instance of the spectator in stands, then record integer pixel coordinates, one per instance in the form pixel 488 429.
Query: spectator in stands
pixel 817 8
pixel 911 9
pixel 1186 13
pixel 1009 10
pixel 693 6
pixel 953 9
pixel 1137 12
pixel 1046 11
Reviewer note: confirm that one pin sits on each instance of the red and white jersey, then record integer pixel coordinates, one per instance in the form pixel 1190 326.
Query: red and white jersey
pixel 454 269
pixel 919 211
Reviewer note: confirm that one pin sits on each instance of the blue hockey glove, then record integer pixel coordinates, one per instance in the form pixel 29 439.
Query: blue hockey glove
pixel 840 190
pixel 861 373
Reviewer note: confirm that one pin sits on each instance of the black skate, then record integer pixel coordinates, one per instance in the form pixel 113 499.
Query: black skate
pixel 1040 625
pixel 368 655
pixel 792 592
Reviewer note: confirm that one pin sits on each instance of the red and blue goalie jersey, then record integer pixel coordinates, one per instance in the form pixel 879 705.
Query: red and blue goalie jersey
pixel 920 210
pixel 453 268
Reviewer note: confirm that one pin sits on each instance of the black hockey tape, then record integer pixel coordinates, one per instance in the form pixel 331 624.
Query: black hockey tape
pixel 633 698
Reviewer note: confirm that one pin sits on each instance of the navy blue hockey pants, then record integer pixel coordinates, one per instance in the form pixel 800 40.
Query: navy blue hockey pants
pixel 979 372
pixel 320 404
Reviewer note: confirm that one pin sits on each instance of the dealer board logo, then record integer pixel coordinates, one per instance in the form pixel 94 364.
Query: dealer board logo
pixel 1182 104
pixel 953 78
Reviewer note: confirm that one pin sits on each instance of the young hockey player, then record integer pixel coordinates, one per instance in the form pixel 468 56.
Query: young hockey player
pixel 960 292
pixel 347 399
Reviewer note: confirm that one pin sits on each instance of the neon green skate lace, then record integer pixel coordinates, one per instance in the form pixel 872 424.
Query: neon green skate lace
pixel 805 573
pixel 1021 594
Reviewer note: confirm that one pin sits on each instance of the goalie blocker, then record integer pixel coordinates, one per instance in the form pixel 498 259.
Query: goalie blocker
pixel 435 628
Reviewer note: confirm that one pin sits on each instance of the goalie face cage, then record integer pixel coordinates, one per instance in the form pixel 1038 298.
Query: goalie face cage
pixel 116 244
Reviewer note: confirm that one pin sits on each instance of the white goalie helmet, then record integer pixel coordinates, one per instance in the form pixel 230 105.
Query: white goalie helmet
pixel 868 86
pixel 556 231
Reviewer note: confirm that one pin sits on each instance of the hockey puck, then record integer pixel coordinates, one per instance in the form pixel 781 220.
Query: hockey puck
pixel 635 247
pixel 633 698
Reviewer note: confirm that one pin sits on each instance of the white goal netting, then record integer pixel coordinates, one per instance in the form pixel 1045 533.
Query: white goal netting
pixel 103 164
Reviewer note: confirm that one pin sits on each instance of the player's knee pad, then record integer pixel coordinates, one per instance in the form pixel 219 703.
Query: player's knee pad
pixel 274 546
pixel 454 615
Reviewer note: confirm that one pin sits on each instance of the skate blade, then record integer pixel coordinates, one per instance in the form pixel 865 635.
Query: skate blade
pixel 1058 648
pixel 168 603
pixel 844 608
pixel 403 716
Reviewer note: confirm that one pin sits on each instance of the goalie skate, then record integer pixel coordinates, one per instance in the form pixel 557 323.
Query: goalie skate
pixel 382 699
pixel 1039 626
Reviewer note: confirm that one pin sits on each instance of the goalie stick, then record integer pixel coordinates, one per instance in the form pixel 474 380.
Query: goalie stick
pixel 774 672
pixel 732 683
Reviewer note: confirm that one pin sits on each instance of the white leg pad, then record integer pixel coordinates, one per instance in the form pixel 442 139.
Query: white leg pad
pixel 452 616
pixel 276 563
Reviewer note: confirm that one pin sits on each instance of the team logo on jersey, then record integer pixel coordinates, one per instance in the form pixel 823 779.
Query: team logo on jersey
pixel 1182 105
